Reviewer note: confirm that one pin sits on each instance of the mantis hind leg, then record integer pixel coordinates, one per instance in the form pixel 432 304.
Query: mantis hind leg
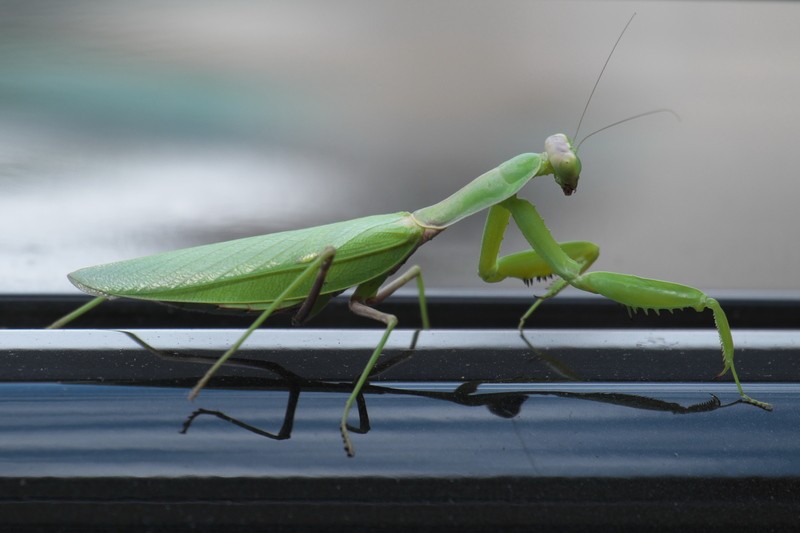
pixel 367 294
pixel 85 308
pixel 319 265
pixel 313 303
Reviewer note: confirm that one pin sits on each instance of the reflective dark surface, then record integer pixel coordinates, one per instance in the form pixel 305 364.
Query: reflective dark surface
pixel 579 426
pixel 101 431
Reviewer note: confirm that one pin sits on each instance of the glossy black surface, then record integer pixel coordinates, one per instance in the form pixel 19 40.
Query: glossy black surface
pixel 472 428
pixel 448 310
pixel 596 430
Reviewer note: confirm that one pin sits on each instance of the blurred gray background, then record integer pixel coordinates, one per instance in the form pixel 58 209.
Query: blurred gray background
pixel 128 128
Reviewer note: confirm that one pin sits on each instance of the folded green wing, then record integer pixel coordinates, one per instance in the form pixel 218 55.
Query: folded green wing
pixel 255 270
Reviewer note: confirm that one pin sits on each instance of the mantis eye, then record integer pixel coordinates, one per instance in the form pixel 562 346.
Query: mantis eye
pixel 565 162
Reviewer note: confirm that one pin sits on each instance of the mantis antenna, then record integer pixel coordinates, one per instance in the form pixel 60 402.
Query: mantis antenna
pixel 634 117
pixel 597 82
pixel 601 75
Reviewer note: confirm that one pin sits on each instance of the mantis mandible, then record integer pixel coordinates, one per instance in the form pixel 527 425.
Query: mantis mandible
pixel 302 270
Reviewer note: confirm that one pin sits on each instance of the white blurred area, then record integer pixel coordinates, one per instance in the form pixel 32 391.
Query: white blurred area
pixel 128 128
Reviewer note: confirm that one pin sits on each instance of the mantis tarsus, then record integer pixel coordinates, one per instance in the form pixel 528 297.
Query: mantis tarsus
pixel 304 269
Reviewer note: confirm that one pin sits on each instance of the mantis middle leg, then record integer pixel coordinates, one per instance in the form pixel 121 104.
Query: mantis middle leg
pixel 367 294
pixel 629 290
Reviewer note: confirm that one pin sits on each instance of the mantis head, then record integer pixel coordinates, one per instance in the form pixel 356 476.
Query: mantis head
pixel 564 160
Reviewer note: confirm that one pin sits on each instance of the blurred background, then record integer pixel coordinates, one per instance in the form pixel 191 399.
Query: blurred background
pixel 132 128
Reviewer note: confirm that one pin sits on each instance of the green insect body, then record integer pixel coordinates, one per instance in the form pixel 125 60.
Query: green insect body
pixel 250 273
pixel 303 269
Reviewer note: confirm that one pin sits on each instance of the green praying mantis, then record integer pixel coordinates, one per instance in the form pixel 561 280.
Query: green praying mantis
pixel 302 270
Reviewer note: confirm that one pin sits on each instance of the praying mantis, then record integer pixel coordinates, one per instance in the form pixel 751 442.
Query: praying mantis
pixel 302 270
